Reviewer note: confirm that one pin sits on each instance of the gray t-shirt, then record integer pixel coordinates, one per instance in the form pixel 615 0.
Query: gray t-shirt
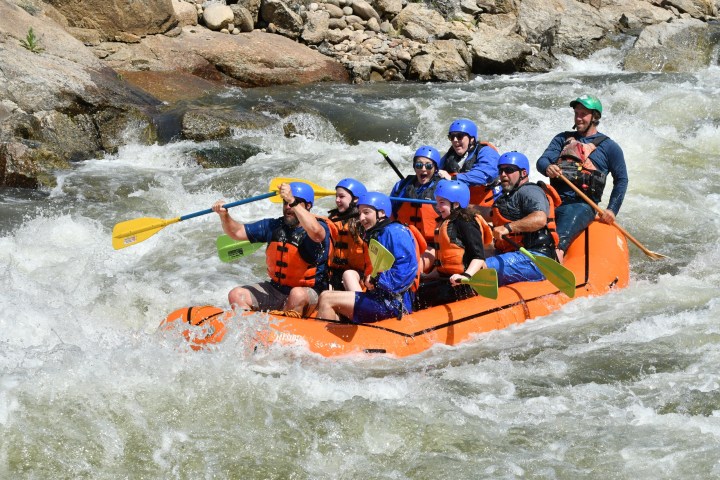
pixel 528 198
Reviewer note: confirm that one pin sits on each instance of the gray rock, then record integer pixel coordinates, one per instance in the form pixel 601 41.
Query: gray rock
pixel 217 16
pixel 364 10
pixel 333 10
pixel 200 124
pixel 682 45
pixel 316 27
pixel 442 61
pixel 389 8
pixel 429 20
pixel 185 12
pixel 113 17
pixel 252 6
pixel 492 52
pixel 243 18
pixel 281 15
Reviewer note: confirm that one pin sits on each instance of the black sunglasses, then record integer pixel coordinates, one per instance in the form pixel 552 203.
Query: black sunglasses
pixel 426 166
pixel 508 170
pixel 459 136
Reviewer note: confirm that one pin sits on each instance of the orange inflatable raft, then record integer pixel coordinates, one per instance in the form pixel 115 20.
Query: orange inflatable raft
pixel 598 258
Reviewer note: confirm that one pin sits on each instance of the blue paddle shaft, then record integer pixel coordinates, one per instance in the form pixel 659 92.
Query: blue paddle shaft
pixel 413 200
pixel 229 205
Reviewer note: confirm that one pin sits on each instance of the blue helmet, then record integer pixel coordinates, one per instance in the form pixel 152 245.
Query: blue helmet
pixel 355 187
pixel 379 201
pixel 464 125
pixel 515 158
pixel 453 191
pixel 429 152
pixel 303 191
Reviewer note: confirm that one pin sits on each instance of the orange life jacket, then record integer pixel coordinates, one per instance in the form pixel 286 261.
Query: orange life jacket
pixel 349 252
pixel 524 239
pixel 422 216
pixel 420 247
pixel 449 254
pixel 285 265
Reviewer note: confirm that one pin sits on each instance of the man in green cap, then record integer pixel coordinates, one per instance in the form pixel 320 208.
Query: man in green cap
pixel 585 157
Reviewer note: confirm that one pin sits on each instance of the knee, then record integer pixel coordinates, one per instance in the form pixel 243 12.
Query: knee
pixel 326 298
pixel 240 297
pixel 297 296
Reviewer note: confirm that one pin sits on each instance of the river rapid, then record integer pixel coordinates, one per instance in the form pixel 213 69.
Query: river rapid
pixel 625 386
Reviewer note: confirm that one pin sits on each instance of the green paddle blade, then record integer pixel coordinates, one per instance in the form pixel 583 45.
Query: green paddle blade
pixel 230 249
pixel 380 257
pixel 137 230
pixel 484 282
pixel 558 275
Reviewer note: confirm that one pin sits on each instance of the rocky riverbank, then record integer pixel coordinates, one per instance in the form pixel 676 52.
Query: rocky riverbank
pixel 78 75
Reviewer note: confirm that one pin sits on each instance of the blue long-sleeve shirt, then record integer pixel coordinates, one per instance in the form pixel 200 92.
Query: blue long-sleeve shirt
pixel 608 157
pixel 482 172
pixel 400 276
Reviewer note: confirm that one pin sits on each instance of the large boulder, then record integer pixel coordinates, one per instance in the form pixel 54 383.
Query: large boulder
pixel 58 103
pixel 116 18
pixel 252 59
pixel 279 14
pixel 217 16
pixel 684 45
pixel 316 27
pixel 415 18
pixel 444 60
pixel 563 26
pixel 185 12
pixel 496 53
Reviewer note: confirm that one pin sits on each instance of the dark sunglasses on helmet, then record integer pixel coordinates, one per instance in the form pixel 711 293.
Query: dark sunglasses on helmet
pixel 426 166
pixel 456 135
pixel 508 169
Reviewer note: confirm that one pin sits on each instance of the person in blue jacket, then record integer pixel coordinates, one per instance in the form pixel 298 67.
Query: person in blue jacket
pixel 426 162
pixel 585 157
pixel 389 294
pixel 296 255
pixel 472 162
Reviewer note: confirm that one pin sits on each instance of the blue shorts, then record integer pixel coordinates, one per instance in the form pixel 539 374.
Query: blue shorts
pixel 514 267
pixel 375 305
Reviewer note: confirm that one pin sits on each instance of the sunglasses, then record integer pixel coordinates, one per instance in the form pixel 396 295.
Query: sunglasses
pixel 426 166
pixel 458 136
pixel 508 170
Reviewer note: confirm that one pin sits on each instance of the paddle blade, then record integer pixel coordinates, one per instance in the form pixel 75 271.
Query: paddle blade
pixel 380 257
pixel 275 186
pixel 558 275
pixel 484 282
pixel 131 232
pixel 230 249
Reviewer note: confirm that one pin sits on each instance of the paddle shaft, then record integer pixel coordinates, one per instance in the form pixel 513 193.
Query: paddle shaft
pixel 413 200
pixel 392 164
pixel 229 205
pixel 595 206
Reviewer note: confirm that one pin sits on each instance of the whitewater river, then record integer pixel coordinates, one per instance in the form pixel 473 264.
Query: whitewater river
pixel 626 386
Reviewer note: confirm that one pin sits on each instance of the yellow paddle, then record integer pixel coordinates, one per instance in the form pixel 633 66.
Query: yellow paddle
pixel 319 191
pixel 484 282
pixel 649 253
pixel 380 257
pixel 562 277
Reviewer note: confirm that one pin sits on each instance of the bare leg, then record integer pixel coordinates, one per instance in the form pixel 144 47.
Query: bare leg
pixel 351 280
pixel 240 298
pixel 297 300
pixel 334 302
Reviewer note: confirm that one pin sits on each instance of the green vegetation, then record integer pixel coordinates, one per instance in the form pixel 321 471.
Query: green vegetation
pixel 31 42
